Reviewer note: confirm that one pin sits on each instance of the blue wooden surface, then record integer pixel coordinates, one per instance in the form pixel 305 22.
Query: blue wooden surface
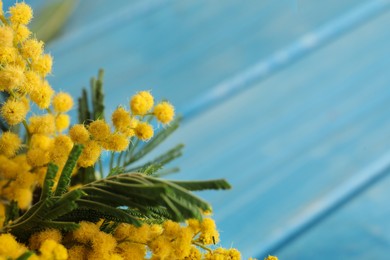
pixel 288 100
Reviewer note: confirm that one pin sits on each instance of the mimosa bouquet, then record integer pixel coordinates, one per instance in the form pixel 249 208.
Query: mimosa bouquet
pixel 60 197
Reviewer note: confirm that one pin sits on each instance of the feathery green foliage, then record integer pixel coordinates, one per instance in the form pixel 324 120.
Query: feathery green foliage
pixel 129 194
pixel 64 181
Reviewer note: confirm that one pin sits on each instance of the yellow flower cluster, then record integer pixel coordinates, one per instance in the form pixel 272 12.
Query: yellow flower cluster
pixel 23 70
pixel 48 250
pixel 169 240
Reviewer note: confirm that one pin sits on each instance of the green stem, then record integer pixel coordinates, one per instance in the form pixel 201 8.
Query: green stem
pixel 101 169
pixel 202 246
pixel 112 160
pixel 27 131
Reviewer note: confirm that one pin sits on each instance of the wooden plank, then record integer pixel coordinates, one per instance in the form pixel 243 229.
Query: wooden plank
pixel 284 144
pixel 184 49
pixel 360 230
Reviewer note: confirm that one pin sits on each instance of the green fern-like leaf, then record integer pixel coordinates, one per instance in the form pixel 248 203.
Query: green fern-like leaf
pixel 64 181
pixel 157 140
pixel 49 181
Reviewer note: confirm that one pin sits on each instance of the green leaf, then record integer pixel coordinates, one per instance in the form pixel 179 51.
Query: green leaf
pixel 97 96
pixel 49 181
pixel 25 255
pixel 11 212
pixel 157 139
pixel 84 112
pixel 61 225
pixel 51 19
pixel 106 210
pixel 218 184
pixel 155 165
pixel 64 181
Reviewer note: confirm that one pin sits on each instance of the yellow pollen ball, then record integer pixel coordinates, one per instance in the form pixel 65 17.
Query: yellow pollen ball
pixel 39 141
pixel 144 131
pixel 20 13
pixel 50 249
pixel 11 77
pixel 38 157
pixel 21 33
pixel 8 168
pixel 85 232
pixel 9 144
pixel 42 95
pixel 6 36
pixel 42 124
pixel 38 238
pixel 23 197
pixel 141 103
pixel 25 180
pixel 9 247
pixel 78 252
pixel 62 102
pixel 116 142
pixel 32 49
pixel 8 54
pixel 61 148
pixel 32 82
pixel 90 154
pixel 121 119
pixel 14 111
pixel 164 112
pixel 271 257
pixel 62 122
pixel 43 65
pixel 99 129
pixel 209 234
pixel 79 134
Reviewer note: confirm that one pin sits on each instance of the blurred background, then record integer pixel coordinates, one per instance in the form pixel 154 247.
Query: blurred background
pixel 288 100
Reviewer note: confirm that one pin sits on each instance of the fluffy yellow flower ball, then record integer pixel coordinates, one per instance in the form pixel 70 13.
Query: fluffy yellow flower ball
pixel 50 249
pixel 79 134
pixel 20 13
pixel 271 257
pixel 121 119
pixel 32 82
pixel 6 36
pixel 9 144
pixel 8 54
pixel 62 147
pixel 141 103
pixel 62 122
pixel 144 131
pixel 14 111
pixel 62 102
pixel 42 95
pixel 209 234
pixel 21 33
pixel 90 154
pixel 9 247
pixel 43 65
pixel 42 124
pixel 37 239
pixel 99 129
pixel 164 112
pixel 11 77
pixel 24 197
pixel 116 142
pixel 38 157
pixel 32 49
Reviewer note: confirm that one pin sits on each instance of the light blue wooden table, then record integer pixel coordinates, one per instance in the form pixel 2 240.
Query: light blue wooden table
pixel 287 100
